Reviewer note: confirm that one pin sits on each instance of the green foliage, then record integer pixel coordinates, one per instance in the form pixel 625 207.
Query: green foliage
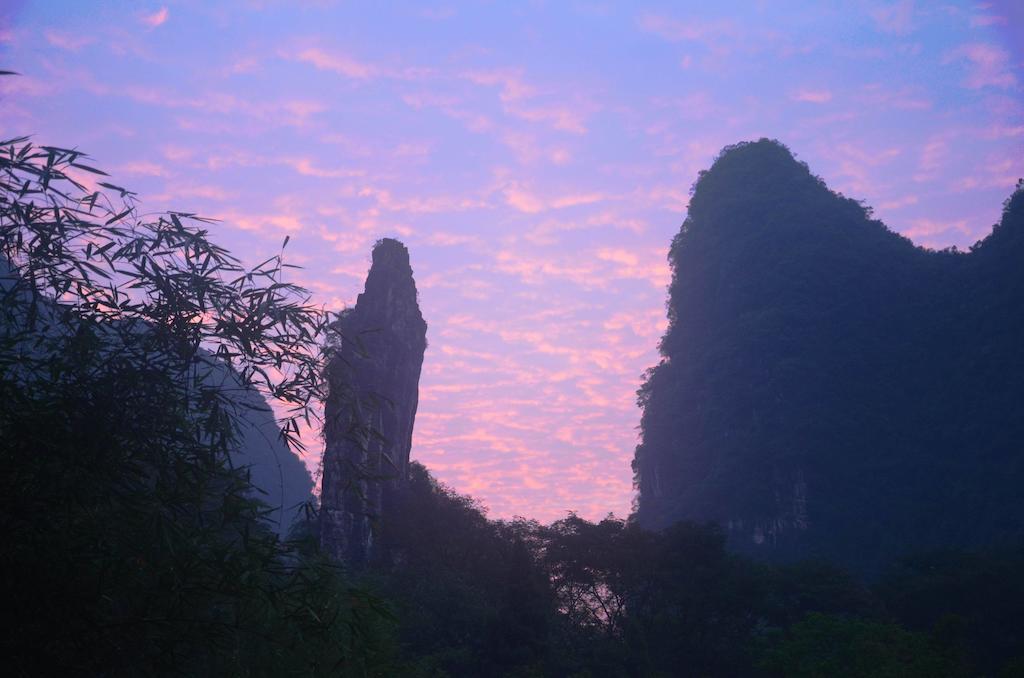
pixel 576 598
pixel 133 545
pixel 823 645
pixel 467 591
pixel 971 602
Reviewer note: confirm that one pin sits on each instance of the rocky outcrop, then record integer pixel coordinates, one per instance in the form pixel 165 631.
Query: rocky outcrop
pixel 373 377
pixel 827 389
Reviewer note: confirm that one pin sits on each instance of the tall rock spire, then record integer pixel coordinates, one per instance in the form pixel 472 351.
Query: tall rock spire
pixel 374 379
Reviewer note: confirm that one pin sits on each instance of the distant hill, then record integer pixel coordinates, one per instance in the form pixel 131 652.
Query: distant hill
pixel 280 478
pixel 827 388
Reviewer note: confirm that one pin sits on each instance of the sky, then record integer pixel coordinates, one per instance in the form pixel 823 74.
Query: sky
pixel 536 158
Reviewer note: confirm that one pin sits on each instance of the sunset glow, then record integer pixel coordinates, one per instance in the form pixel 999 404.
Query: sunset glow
pixel 536 158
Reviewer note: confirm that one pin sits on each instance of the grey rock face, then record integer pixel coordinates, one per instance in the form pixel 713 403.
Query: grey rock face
pixel 374 379
pixel 278 476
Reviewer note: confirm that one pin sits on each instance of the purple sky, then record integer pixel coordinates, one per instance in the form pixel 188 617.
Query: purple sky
pixel 535 157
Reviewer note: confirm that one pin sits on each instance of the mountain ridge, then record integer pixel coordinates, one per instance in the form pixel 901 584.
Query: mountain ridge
pixel 807 356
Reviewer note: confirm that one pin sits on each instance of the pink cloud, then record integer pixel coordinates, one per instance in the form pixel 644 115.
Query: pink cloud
pixel 155 19
pixel 932 158
pixel 515 92
pixel 895 18
pixel 648 324
pixel 452 107
pixel 510 81
pixel 525 200
pixel 307 167
pixel 989 65
pixel 67 41
pixel 245 64
pixel 289 112
pixel 452 239
pixel 697 105
pixel 337 63
pixel 629 264
pixel 857 166
pixel 982 20
pixel 561 118
pixel 431 204
pixel 926 228
pixel 677 30
pixel 902 98
pixel 813 96
pixel 898 203
pixel 27 86
pixel 144 168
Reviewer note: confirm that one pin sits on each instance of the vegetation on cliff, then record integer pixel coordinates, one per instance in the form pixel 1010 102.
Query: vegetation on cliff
pixel 828 389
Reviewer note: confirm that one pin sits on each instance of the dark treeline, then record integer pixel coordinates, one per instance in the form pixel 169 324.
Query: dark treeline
pixel 473 597
pixel 135 544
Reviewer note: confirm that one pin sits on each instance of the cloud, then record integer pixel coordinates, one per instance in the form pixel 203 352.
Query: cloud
pixel 927 228
pixel 267 111
pixel 67 41
pixel 157 18
pixel 452 107
pixel 676 30
pixel 519 99
pixel 27 86
pixel 442 239
pixel 899 98
pixel 649 324
pixel 561 118
pixel 267 224
pixel 858 165
pixel 522 199
pixel 431 204
pixel 897 18
pixel 350 67
pixel 144 168
pixel 594 269
pixel 898 203
pixel 521 196
pixel 510 82
pixel 307 167
pixel 627 263
pixel 178 193
pixel 932 158
pixel 698 105
pixel 989 65
pixel 337 63
pixel 812 96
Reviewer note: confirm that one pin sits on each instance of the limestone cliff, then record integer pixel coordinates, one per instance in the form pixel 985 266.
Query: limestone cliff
pixel 827 389
pixel 374 378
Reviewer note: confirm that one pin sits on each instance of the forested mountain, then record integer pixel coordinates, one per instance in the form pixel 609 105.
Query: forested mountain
pixel 827 388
